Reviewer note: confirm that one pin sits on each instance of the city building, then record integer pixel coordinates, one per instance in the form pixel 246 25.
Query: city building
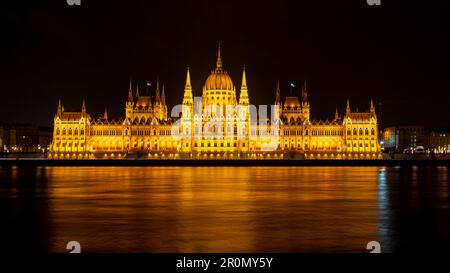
pixel 440 141
pixel 24 138
pixel 405 139
pixel 219 124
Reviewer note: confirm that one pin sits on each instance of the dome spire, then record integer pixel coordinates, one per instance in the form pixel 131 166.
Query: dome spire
pixel 219 59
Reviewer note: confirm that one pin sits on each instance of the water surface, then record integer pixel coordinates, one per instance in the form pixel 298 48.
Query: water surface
pixel 224 209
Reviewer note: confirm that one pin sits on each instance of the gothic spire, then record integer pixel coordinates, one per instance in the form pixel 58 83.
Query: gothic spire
pixel 188 80
pixel 163 96
pixel 187 98
pixel 157 97
pixel 83 107
pixel 219 60
pixel 137 89
pixel 304 92
pixel 348 106
pixel 243 98
pixel 244 79
pixel 130 92
pixel 105 115
pixel 277 93
pixel 59 111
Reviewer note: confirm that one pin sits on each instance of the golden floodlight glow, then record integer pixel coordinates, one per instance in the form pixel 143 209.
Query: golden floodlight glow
pixel 217 125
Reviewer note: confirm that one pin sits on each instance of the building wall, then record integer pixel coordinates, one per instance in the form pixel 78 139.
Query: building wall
pixel 439 143
pixel 399 138
pixel 24 138
pixel 146 128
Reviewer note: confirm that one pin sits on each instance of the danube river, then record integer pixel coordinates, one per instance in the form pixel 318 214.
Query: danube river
pixel 225 209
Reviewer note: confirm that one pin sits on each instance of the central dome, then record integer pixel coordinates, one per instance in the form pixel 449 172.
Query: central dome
pixel 219 78
pixel 219 88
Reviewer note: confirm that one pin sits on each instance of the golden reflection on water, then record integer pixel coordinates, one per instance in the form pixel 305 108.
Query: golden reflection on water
pixel 213 209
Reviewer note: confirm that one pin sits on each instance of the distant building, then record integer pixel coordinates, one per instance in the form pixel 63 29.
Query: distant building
pixel 399 139
pixel 24 138
pixel 4 137
pixel 440 141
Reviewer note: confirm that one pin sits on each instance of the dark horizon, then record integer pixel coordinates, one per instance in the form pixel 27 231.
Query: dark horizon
pixel 394 54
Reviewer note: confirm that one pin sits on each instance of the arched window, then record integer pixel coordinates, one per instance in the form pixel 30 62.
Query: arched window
pixel 82 132
pixel 76 131
pixel 372 131
pixel 367 132
pixel 57 131
pixel 360 131
pixel 354 132
pixel 306 133
pixel 348 132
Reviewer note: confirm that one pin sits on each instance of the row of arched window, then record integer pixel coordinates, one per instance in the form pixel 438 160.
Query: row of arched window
pixel 313 133
pixel 106 132
pixel 69 131
pixel 366 132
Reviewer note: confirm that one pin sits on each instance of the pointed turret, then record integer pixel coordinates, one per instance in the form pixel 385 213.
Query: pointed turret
pixel 372 107
pixel 130 92
pixel 157 96
pixel 277 93
pixel 187 98
pixel 83 107
pixel 306 109
pixel 244 79
pixel 60 108
pixel 243 98
pixel 304 92
pixel 336 115
pixel 219 60
pixel 348 107
pixel 137 89
pixel 105 114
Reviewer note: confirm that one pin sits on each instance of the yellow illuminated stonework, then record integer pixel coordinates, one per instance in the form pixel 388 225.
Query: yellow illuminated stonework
pixel 219 125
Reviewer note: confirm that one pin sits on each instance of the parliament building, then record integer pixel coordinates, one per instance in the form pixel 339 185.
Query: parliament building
pixel 220 124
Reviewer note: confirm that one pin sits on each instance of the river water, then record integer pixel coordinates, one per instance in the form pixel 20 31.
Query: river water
pixel 225 209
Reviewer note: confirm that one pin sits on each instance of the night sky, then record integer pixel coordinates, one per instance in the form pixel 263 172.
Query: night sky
pixel 398 55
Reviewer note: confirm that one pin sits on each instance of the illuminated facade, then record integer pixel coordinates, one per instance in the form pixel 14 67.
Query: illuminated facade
pixel 219 125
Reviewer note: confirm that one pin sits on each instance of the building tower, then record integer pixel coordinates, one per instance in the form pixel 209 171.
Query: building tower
pixel 305 103
pixel 278 103
pixel 243 120
pixel 157 103
pixel 187 116
pixel 130 103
